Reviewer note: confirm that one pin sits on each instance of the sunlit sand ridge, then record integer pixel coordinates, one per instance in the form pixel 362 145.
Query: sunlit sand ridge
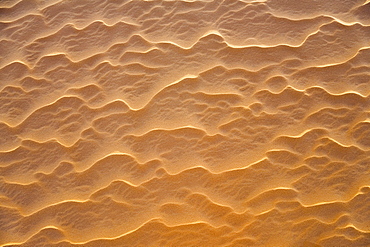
pixel 185 123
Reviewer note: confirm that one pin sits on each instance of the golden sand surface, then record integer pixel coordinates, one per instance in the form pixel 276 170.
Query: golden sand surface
pixel 185 123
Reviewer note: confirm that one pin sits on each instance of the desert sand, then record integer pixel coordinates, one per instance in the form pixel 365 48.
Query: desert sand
pixel 185 123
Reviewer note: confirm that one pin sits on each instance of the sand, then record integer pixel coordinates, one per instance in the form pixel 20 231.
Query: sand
pixel 185 123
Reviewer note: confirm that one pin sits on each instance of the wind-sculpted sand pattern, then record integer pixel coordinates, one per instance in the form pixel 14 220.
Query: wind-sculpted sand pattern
pixel 185 123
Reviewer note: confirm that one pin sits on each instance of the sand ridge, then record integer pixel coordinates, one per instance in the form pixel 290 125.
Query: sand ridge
pixel 184 123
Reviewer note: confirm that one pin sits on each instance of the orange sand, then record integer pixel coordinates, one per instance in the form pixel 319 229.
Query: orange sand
pixel 185 123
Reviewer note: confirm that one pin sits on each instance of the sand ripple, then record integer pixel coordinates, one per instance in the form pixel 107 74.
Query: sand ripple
pixel 184 123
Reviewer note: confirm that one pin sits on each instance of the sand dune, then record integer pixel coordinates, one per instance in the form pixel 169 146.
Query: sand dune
pixel 184 123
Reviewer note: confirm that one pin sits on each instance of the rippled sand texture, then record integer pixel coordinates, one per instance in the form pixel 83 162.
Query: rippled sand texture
pixel 175 123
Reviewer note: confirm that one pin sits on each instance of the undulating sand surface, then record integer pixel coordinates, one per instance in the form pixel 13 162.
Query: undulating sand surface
pixel 185 123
